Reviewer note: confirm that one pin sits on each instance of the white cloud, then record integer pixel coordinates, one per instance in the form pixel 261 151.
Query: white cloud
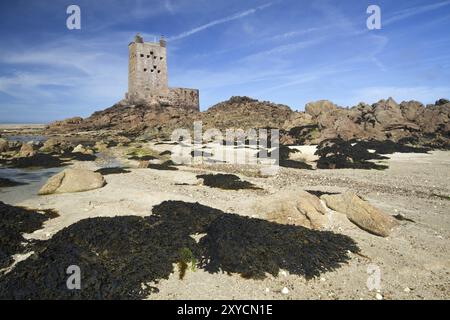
pixel 81 71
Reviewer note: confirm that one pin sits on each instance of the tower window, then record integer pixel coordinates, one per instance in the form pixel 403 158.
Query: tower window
pixel 159 71
pixel 142 55
pixel 151 52
pixel 154 67
pixel 148 56
pixel 152 70
pixel 145 70
pixel 160 58
pixel 155 57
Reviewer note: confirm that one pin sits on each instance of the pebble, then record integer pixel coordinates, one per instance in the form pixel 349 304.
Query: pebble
pixel 267 290
pixel 285 290
pixel 407 290
pixel 379 296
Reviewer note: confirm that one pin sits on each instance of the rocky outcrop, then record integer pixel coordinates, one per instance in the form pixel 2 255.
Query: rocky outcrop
pixel 385 120
pixel 298 208
pixel 246 113
pixel 361 213
pixel 73 180
pixel 132 120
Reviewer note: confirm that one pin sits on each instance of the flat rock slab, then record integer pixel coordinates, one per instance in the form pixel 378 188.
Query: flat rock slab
pixel 73 180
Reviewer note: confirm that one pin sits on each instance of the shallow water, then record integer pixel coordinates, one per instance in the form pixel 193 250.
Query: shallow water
pixel 34 179
pixel 26 138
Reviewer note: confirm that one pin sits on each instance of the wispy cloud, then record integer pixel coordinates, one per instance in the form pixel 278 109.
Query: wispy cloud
pixel 238 15
pixel 404 14
pixel 286 48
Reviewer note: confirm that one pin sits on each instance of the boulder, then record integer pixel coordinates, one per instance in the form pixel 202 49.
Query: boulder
pixel 54 145
pixel 73 180
pixel 361 213
pixel 298 208
pixel 4 145
pixel 101 146
pixel 81 149
pixel 387 112
pixel 441 102
pixel 27 150
pixel 319 107
pixel 411 110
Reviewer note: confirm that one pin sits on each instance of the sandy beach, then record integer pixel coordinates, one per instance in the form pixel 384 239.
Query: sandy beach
pixel 413 260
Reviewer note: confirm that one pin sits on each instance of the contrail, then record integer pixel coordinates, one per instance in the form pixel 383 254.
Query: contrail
pixel 235 16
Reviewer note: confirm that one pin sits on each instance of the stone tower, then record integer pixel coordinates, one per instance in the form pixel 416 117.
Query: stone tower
pixel 148 77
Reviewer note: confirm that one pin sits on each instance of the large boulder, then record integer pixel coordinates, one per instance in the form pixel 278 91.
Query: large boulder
pixel 361 213
pixel 435 118
pixel 4 145
pixel 387 113
pixel 54 145
pixel 82 149
pixel 73 180
pixel 411 110
pixel 27 150
pixel 295 208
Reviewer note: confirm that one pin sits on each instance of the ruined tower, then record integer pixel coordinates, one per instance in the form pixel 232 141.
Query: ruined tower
pixel 148 78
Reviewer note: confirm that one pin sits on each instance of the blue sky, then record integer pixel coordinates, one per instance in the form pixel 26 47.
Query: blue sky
pixel 286 51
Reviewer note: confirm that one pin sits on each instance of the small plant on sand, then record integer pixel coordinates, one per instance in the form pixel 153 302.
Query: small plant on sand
pixel 142 152
pixel 185 257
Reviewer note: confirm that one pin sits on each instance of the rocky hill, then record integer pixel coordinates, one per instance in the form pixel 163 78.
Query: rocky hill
pixel 131 120
pixel 246 113
pixel 409 121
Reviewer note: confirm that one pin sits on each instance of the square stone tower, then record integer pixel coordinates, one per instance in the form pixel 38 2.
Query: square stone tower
pixel 148 77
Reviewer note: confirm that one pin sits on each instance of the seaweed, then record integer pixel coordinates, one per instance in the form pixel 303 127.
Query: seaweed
pixel 283 158
pixel 167 165
pixel 320 193
pixel 225 181
pixel 13 222
pixel 112 170
pixel 7 183
pixel 40 160
pixel 121 257
pixel 340 154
